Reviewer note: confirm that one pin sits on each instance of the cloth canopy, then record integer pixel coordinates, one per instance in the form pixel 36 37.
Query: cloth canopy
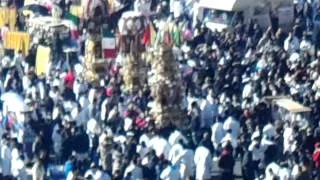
pixel 227 5
pixel 35 8
pixel 292 106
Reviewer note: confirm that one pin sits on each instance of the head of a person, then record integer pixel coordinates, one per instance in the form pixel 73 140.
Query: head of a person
pixel 194 105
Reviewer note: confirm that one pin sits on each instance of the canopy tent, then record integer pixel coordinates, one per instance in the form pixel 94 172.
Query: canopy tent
pixel 273 98
pixel 239 5
pixel 35 8
pixel 292 106
pixel 46 3
pixel 227 5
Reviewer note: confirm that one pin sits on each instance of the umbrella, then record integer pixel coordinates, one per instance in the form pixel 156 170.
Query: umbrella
pixel 13 101
pixel 35 8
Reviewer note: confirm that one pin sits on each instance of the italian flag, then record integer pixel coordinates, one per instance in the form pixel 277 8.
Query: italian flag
pixel 109 44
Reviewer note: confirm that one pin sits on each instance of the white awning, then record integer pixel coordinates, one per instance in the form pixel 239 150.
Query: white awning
pixel 292 106
pixel 240 5
pixel 227 5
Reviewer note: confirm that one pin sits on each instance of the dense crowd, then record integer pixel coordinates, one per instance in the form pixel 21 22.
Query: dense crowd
pixel 77 130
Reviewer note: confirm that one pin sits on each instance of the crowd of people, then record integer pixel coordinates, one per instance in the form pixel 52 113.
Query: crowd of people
pixel 77 130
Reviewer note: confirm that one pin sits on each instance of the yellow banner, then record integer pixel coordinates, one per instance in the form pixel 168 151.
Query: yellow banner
pixel 42 59
pixel 17 41
pixel 76 11
pixel 8 16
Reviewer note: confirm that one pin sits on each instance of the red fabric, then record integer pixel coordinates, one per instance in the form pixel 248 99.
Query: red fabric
pixel 115 70
pixel 109 92
pixel 69 80
pixel 110 53
pixel 75 34
pixel 131 114
pixel 316 158
pixel 141 123
pixel 146 39
pixel 167 38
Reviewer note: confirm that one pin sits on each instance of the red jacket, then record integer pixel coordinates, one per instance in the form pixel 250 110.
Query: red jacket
pixel 69 80
pixel 316 158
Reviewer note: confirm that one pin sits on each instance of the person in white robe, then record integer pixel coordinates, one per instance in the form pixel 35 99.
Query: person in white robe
pixel 284 173
pixel 178 8
pixel 288 139
pixel 247 91
pixel 187 165
pixel 217 133
pixel 291 44
pixel 145 137
pixel 269 130
pixel 209 110
pixel 233 125
pixel 170 172
pixel 271 170
pixel 229 138
pixel 203 162
pixel 15 155
pixel 96 174
pixel 176 137
pixel 104 109
pixel 57 141
pixel 142 6
pixel 5 158
pixel 133 171
pixel 175 153
pixel 257 151
pixel 18 168
pixel 197 13
pixel 305 44
pixel 161 146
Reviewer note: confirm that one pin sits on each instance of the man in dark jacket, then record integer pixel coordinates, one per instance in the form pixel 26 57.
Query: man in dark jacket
pixel 226 163
pixel 247 166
